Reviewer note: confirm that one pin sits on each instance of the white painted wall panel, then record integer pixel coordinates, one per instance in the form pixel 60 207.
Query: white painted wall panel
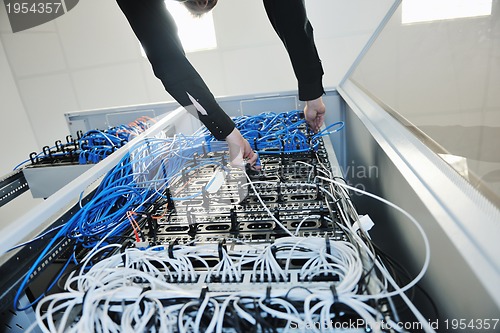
pixel 105 86
pixel 32 53
pixel 16 136
pixel 96 33
pixel 46 98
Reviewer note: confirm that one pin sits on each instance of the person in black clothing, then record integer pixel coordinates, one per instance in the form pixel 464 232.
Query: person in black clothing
pixel 156 30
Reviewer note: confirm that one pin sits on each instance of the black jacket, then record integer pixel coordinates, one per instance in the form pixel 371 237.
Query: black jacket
pixel 157 32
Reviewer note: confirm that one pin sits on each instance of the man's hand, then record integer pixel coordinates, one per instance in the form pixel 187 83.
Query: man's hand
pixel 240 152
pixel 315 113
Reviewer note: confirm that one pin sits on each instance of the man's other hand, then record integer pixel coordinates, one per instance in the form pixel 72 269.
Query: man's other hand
pixel 314 112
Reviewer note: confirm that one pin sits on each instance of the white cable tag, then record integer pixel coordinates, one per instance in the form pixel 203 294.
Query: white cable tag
pixel 366 223
pixel 216 182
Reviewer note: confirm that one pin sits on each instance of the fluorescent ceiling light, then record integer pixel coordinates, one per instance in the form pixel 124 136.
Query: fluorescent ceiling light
pixel 434 10
pixel 195 33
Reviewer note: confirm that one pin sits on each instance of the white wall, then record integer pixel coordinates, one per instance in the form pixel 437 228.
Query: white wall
pixel 16 135
pixel 89 57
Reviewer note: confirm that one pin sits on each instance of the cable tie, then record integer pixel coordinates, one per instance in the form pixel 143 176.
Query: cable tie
pixel 171 249
pixel 274 249
pixel 328 246
pixel 122 250
pixel 278 190
pixel 46 151
pixel 33 157
pixel 234 219
pixel 170 202
pixel 221 246
pixel 59 146
pixel 193 226
pixel 268 293
pixel 203 293
pixel 319 195
pixel 334 293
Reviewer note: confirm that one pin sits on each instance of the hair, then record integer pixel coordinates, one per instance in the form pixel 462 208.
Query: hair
pixel 199 7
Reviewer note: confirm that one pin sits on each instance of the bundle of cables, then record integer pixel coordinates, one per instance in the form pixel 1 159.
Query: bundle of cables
pixel 93 290
pixel 271 133
pixel 96 145
pixel 110 277
pixel 150 167
pixel 90 147
pixel 134 184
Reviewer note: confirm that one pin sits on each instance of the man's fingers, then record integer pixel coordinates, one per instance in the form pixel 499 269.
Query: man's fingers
pixel 319 122
pixel 252 160
pixel 315 123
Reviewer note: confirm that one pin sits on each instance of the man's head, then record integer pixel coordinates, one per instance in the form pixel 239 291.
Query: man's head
pixel 199 7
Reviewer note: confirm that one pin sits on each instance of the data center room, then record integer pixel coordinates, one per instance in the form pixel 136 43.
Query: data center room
pixel 121 211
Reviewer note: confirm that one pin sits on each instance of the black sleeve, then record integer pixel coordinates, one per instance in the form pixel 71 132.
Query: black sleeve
pixel 156 30
pixel 289 20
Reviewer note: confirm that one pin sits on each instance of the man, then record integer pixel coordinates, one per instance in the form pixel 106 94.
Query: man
pixel 157 32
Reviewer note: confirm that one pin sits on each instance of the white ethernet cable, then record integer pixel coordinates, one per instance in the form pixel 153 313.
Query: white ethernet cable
pixel 398 290
pixel 111 281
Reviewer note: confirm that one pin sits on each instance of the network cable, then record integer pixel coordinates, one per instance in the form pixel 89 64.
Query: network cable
pixel 270 133
pixel 90 147
pixel 116 287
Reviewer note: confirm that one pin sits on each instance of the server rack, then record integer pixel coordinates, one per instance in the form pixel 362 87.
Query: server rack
pixel 464 269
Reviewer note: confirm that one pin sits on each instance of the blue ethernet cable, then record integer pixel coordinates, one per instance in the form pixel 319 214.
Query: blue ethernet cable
pixel 135 179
